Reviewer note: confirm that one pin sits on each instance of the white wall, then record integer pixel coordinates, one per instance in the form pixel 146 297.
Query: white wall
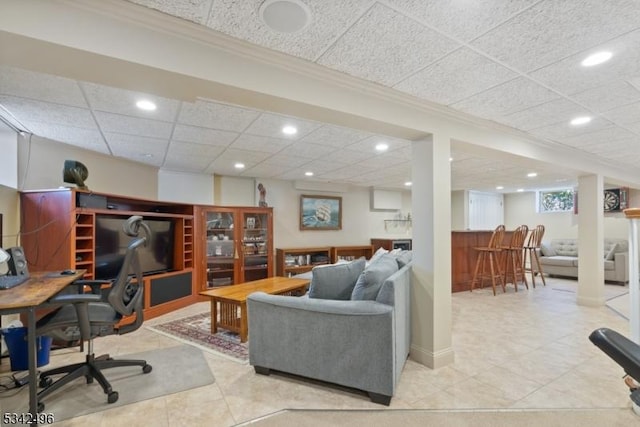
pixel 8 157
pixel 184 187
pixel 459 214
pixel 359 224
pixel 235 191
pixel 520 208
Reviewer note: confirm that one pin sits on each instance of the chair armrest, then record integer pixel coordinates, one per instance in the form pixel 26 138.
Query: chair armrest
pixel 621 265
pixel 75 299
pixel 95 285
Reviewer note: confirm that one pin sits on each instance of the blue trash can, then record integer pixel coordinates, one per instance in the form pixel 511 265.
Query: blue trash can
pixel 16 339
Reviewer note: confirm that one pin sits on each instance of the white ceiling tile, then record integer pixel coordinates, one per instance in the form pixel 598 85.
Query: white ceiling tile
pixel 137 148
pixel 319 167
pixel 464 20
pixel 329 19
pixel 381 162
pixel 89 139
pixel 271 125
pixel 181 149
pixel 260 143
pixel 559 131
pixel 384 46
pixel 368 145
pixel 188 163
pixel 508 98
pixel 455 77
pixel 284 161
pixel 307 150
pixel 556 111
pixel 262 170
pixel 627 114
pixel 46 112
pixel 216 116
pixel 346 172
pixel 347 156
pixel 133 125
pixel 552 30
pixel 634 127
pixel 120 101
pixel 231 156
pixel 335 136
pixel 603 136
pixel 607 97
pixel 191 10
pixel 570 77
pixel 204 136
pixel 42 87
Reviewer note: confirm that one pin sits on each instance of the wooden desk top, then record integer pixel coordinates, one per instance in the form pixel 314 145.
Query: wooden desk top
pixel 37 290
pixel 271 285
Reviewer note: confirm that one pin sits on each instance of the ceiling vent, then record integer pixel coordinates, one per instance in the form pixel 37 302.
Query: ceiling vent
pixel 285 16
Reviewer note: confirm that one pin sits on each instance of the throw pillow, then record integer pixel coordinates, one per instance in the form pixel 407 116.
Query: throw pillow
pixel 404 258
pixel 378 254
pixel 547 250
pixel 335 281
pixel 609 255
pixel 372 278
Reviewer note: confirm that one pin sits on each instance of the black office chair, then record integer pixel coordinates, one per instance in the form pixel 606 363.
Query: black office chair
pixel 84 316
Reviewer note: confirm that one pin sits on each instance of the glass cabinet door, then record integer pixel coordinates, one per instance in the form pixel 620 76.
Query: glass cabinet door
pixel 221 248
pixel 255 245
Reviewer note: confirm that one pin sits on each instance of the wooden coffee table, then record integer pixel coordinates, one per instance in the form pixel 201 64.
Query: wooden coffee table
pixel 233 301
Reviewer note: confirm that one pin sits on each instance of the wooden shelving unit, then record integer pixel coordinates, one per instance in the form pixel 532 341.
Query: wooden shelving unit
pixel 350 253
pixel 59 232
pixel 292 261
pixel 236 244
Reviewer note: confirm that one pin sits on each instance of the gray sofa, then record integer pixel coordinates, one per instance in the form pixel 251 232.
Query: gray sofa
pixel 560 257
pixel 362 344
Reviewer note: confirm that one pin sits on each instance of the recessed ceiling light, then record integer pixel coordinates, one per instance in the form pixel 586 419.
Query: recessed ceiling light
pixel 382 147
pixel 580 120
pixel 285 16
pixel 596 58
pixel 239 165
pixel 289 130
pixel 147 155
pixel 532 174
pixel 451 159
pixel 499 187
pixel 520 190
pixel 308 173
pixel 146 105
pixel 408 183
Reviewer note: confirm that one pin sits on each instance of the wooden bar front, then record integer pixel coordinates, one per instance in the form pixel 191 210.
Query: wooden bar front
pixel 463 256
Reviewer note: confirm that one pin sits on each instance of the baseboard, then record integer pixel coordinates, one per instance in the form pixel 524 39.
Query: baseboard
pixel 591 302
pixel 430 359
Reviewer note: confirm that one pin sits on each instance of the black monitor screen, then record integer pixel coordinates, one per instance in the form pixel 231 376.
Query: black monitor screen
pixel 112 242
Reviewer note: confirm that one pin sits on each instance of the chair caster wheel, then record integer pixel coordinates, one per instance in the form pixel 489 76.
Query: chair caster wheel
pixel 112 397
pixel 40 407
pixel 45 382
pixel 89 379
pixel 146 369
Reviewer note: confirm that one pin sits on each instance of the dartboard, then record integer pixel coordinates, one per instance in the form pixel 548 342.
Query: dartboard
pixel 611 200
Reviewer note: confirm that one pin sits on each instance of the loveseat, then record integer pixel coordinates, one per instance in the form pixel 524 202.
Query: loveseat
pixel 353 337
pixel 560 257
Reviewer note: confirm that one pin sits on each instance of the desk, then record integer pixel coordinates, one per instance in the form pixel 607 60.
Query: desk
pixel 25 298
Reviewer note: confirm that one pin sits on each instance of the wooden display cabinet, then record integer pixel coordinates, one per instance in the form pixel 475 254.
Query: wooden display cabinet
pixel 236 245
pixel 350 253
pixel 292 261
pixel 58 232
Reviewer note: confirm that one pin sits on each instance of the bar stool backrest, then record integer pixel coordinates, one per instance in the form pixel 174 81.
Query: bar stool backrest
pixel 535 239
pixel 497 237
pixel 518 236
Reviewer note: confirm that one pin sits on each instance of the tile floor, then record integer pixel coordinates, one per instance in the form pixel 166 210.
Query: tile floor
pixel 519 350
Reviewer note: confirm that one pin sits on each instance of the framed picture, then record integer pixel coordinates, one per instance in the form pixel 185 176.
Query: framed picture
pixel 320 213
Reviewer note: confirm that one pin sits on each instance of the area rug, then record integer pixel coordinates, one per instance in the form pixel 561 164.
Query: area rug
pixel 175 369
pixel 196 330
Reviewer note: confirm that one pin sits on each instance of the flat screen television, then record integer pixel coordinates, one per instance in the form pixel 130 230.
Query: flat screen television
pixel 111 245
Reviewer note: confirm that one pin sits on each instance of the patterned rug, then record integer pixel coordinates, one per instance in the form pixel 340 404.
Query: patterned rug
pixel 196 330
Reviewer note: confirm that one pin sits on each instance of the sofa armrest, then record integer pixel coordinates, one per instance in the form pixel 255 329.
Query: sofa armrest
pixel 621 263
pixel 344 342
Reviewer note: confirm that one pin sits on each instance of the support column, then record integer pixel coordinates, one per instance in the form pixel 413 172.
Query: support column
pixel 431 327
pixel 590 241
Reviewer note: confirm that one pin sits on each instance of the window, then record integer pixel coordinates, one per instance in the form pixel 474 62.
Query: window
pixel 556 200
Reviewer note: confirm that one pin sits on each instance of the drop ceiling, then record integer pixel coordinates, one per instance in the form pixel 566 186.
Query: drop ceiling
pixel 516 63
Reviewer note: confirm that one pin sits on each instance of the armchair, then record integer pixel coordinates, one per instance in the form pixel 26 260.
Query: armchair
pixel 84 316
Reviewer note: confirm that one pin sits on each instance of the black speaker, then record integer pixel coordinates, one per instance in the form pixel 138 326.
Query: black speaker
pixel 17 262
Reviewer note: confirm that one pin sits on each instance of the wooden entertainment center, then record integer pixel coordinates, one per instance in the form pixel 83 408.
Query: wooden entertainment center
pixel 58 232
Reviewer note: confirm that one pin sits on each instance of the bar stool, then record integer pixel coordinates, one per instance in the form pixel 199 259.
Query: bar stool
pixel 531 248
pixel 490 254
pixel 513 257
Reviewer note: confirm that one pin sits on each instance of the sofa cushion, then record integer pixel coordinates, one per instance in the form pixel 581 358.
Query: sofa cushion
pixel 560 261
pixel 547 250
pixel 335 281
pixel 404 258
pixel 565 247
pixel 371 279
pixel 609 265
pixel 610 252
